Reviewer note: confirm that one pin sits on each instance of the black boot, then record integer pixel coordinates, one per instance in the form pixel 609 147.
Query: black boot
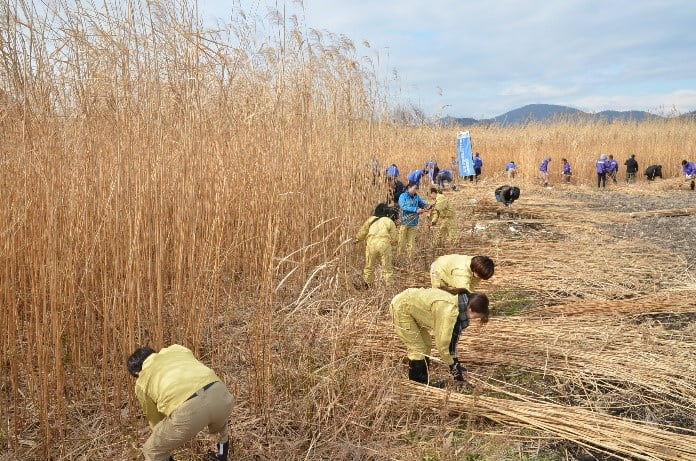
pixel 221 455
pixel 418 371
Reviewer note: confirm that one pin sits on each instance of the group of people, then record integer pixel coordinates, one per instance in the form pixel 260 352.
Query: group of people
pixel 380 232
pixel 607 168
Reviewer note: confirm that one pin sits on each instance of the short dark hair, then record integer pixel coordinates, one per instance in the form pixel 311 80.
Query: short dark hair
pixel 478 302
pixel 684 162
pixel 135 361
pixel 482 266
pixel 434 190
pixel 412 183
pixel 564 160
pixel 382 210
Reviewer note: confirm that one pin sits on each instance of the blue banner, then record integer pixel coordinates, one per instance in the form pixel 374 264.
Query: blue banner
pixel 464 154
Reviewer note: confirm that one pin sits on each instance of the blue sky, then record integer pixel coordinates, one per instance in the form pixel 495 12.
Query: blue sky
pixel 483 58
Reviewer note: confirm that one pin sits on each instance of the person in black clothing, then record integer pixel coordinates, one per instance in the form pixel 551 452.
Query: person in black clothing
pixel 631 169
pixel 506 194
pixel 653 171
pixel 396 188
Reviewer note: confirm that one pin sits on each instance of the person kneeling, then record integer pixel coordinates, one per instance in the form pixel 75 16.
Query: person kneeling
pixel 418 311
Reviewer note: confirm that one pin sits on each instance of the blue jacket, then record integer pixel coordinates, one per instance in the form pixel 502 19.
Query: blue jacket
pixel 689 169
pixel 612 166
pixel 478 163
pixel 566 168
pixel 415 176
pixel 544 167
pixel 392 171
pixel 510 166
pixel 602 166
pixel 409 205
pixel 446 174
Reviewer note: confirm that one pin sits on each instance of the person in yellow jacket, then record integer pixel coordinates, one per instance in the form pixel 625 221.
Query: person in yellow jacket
pixel 456 272
pixel 418 311
pixel 380 233
pixel 442 216
pixel 180 397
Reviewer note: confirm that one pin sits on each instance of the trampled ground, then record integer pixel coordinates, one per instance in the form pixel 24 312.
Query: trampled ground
pixel 593 348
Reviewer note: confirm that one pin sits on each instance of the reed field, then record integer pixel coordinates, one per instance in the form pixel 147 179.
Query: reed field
pixel 165 182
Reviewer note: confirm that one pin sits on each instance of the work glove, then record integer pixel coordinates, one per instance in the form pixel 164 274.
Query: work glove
pixel 457 370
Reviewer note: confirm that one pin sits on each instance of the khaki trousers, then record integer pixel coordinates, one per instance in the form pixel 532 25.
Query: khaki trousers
pixel 417 339
pixel 407 238
pixel 446 226
pixel 378 251
pixel 211 408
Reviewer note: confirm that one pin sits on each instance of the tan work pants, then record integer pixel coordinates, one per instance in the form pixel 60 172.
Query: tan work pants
pixel 417 339
pixel 211 408
pixel 407 238
pixel 380 250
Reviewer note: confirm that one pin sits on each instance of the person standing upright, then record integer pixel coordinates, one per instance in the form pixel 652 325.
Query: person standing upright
pixel 478 166
pixel 544 171
pixel 631 169
pixel 601 166
pixel 412 206
pixel 612 168
pixel 566 171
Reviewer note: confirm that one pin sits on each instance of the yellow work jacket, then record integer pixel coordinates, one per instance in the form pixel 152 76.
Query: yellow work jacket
pixel 442 208
pixel 435 310
pixel 455 271
pixel 377 229
pixel 168 378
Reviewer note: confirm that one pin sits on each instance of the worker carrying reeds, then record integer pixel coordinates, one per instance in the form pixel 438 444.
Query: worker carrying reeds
pixel 180 397
pixel 379 232
pixel 457 272
pixel 412 206
pixel 442 216
pixel 417 312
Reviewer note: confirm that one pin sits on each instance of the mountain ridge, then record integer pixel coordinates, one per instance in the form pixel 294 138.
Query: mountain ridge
pixel 546 113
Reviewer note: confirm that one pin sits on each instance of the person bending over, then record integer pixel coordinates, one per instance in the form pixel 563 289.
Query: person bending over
pixel 180 397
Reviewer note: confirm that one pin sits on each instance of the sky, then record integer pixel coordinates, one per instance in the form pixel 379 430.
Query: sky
pixel 468 58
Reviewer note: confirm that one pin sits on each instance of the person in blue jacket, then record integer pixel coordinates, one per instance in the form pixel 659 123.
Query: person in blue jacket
pixel 415 176
pixel 511 169
pixel 412 206
pixel 442 177
pixel 612 168
pixel 544 171
pixel 392 171
pixel 478 164
pixel 566 171
pixel 689 170
pixel 602 168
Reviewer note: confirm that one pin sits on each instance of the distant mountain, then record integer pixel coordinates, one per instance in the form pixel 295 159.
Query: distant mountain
pixel 545 113
pixel 536 113
pixel 629 115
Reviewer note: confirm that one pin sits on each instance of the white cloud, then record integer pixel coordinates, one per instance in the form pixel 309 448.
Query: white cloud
pixel 490 58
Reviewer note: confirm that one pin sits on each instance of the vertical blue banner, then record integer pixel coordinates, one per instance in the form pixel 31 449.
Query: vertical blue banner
pixel 464 154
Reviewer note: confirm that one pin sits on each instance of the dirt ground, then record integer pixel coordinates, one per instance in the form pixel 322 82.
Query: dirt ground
pixel 677 234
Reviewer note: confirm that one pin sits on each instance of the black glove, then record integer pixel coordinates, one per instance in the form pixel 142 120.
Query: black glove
pixel 457 370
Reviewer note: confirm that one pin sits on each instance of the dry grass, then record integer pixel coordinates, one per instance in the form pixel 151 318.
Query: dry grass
pixel 166 183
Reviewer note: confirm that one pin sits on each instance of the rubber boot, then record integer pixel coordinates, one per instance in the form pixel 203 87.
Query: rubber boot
pixel 417 371
pixel 221 454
